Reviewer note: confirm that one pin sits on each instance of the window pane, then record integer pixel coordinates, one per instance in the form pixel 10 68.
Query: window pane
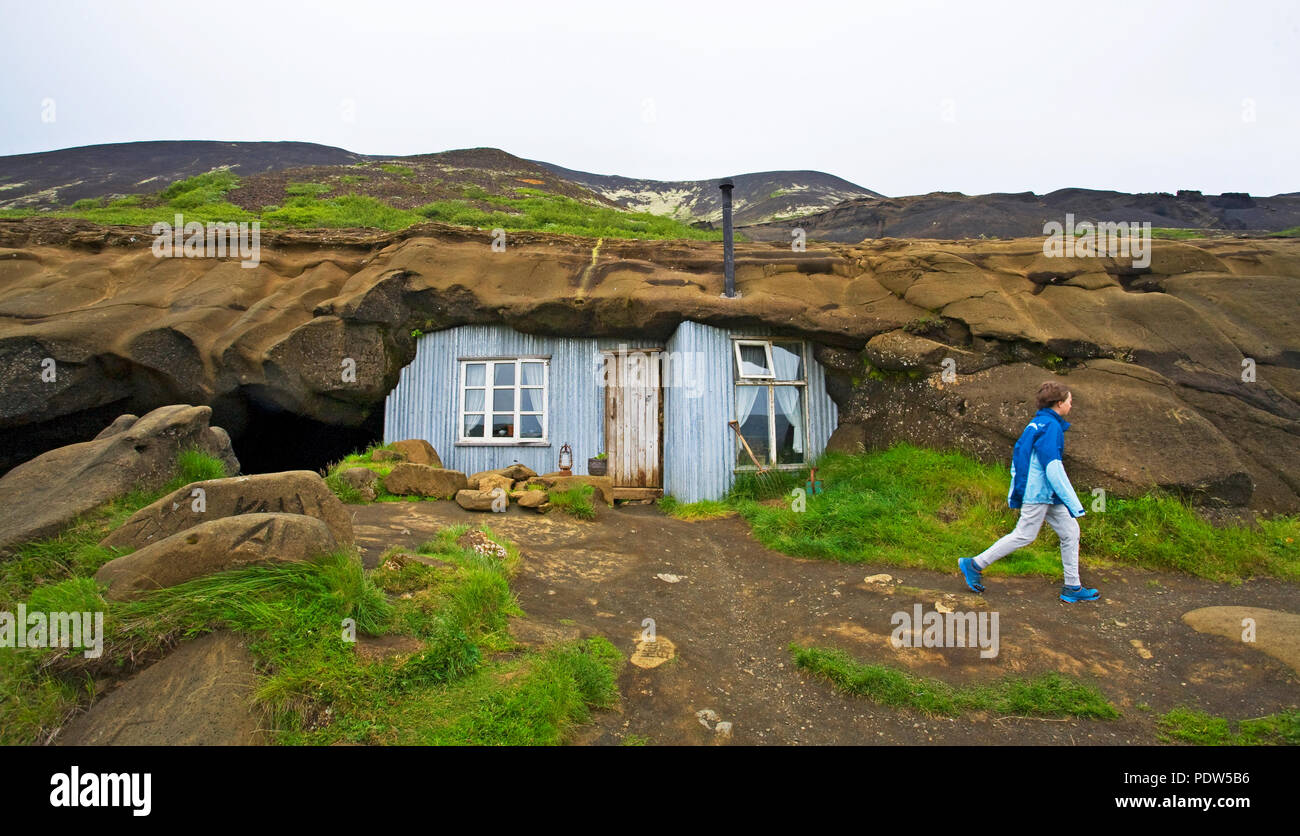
pixel 503 400
pixel 751 409
pixel 530 400
pixel 531 374
pixel 503 426
pixel 503 374
pixel 789 424
pixel 753 361
pixel 473 426
pixel 530 426
pixel 473 400
pixel 788 359
pixel 474 374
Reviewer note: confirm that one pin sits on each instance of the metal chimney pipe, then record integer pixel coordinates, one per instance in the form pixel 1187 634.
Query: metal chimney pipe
pixel 728 240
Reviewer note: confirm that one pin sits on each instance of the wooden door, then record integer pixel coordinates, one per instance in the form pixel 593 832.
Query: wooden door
pixel 634 419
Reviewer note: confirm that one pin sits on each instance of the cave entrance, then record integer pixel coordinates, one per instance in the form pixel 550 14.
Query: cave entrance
pixel 277 439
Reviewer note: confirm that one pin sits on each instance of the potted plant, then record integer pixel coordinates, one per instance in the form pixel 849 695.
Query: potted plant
pixel 596 465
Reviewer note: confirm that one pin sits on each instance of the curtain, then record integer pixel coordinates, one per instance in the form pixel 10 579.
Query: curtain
pixel 745 398
pixel 787 397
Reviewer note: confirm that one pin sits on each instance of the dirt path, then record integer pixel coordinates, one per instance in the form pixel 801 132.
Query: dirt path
pixel 737 606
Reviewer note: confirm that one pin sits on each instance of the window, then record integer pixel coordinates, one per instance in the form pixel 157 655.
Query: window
pixel 503 401
pixel 771 401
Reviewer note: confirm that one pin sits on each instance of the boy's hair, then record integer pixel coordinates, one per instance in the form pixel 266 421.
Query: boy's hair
pixel 1051 393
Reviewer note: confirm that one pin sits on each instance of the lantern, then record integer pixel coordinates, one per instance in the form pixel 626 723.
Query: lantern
pixel 566 460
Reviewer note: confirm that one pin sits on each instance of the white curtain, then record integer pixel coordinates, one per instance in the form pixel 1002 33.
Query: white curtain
pixel 745 398
pixel 787 397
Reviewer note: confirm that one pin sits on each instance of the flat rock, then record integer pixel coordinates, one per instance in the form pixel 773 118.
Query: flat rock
pixel 215 546
pixel 200 694
pixel 1276 632
pixel 287 492
pixel 409 479
pixel 604 485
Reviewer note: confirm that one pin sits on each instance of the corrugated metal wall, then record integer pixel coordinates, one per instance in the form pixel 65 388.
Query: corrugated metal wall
pixel 424 404
pixel 699 400
pixel 699 447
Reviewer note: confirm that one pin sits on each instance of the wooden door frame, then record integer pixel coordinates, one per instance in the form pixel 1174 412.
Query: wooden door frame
pixel 637 491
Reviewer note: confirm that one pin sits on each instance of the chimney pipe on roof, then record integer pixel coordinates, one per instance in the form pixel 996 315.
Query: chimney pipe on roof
pixel 728 240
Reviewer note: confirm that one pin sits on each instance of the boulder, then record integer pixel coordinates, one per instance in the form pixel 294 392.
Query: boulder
pixel 200 694
pixel 515 472
pixel 604 485
pixel 495 480
pixel 42 496
pixel 215 546
pixel 408 479
pixel 387 456
pixel 363 479
pixel 417 451
pixel 476 500
pixel 530 499
pixel 289 492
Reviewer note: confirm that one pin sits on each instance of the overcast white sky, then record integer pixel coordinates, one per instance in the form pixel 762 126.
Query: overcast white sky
pixel 902 97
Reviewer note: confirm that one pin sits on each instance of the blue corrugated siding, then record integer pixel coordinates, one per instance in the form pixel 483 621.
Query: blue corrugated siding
pixel 699 400
pixel 424 404
pixel 699 447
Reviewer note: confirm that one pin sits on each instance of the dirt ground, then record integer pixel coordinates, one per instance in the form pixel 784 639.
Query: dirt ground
pixel 736 606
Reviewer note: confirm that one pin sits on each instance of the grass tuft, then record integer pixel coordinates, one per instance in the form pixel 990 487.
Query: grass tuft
pixel 1045 695
pixel 575 501
pixel 1187 725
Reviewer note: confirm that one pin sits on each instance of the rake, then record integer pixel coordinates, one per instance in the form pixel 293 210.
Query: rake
pixel 766 478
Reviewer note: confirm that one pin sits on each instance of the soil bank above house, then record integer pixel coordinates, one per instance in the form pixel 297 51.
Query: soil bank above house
pixel 1186 372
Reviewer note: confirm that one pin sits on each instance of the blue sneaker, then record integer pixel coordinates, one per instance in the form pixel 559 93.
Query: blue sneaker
pixel 973 576
pixel 1072 594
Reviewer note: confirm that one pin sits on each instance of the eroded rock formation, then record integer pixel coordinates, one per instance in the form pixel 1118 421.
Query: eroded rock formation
pixel 1156 354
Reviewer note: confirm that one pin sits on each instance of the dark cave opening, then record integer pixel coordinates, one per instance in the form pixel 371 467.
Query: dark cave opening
pixel 276 439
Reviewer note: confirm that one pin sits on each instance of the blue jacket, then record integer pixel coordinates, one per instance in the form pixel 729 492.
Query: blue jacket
pixel 1037 474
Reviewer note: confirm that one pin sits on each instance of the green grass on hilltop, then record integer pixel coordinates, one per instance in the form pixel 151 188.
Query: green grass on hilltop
pixel 922 508
pixel 544 212
pixel 203 198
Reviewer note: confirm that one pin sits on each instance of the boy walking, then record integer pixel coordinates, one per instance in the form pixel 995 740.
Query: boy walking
pixel 1042 491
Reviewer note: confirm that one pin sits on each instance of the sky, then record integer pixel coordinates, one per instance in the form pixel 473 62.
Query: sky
pixel 904 97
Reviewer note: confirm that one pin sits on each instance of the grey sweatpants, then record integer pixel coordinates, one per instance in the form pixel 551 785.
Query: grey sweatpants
pixel 1031 520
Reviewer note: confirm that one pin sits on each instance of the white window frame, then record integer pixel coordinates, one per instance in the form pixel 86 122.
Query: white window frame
pixel 766 345
pixel 487 412
pixel 771 383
